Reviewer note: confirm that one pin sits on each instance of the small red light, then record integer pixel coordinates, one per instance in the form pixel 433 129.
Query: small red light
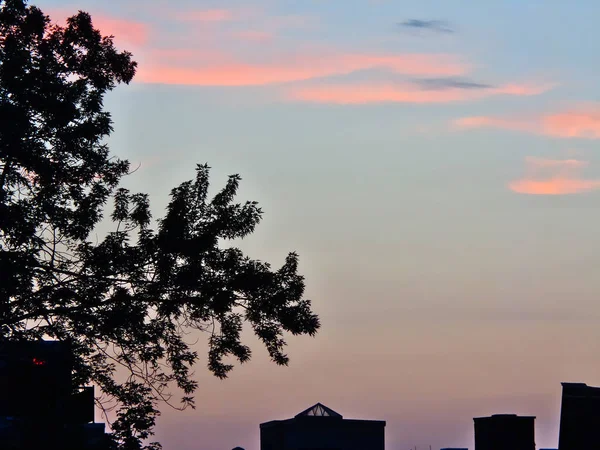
pixel 38 362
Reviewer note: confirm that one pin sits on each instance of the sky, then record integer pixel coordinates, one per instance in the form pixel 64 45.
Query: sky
pixel 434 163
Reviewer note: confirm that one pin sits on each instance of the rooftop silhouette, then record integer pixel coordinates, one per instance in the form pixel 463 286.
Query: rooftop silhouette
pixel 505 432
pixel 320 427
pixel 579 417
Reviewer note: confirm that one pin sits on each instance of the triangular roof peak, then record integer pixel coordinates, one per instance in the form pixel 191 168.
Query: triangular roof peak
pixel 319 410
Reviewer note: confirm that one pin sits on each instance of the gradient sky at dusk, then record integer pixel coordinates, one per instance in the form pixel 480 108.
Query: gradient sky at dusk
pixel 434 163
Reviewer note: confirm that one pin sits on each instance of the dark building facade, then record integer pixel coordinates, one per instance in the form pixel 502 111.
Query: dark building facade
pixel 39 406
pixel 321 428
pixel 579 417
pixel 505 432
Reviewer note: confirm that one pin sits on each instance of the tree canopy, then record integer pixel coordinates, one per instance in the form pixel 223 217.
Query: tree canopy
pixel 128 300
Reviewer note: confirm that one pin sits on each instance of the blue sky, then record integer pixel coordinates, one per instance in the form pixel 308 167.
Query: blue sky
pixel 440 187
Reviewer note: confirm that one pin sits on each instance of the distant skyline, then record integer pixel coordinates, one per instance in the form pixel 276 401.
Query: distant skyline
pixel 434 163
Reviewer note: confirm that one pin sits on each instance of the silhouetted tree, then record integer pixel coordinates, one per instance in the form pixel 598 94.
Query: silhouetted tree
pixel 127 301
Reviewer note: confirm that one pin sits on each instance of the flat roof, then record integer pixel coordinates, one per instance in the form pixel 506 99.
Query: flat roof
pixel 319 412
pixel 272 423
pixel 578 385
pixel 504 416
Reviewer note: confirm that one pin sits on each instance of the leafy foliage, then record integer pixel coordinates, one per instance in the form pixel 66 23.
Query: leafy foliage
pixel 129 300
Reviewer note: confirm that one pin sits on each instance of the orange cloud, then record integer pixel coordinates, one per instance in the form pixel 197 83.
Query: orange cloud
pixel 553 177
pixel 235 73
pixel 554 186
pixel 583 123
pixel 407 93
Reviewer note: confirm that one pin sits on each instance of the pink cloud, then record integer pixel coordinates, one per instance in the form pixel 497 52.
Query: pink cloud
pixel 583 123
pixel 573 124
pixel 135 33
pixel 238 73
pixel 525 125
pixel 407 93
pixel 207 15
pixel 207 65
pixel 525 89
pixel 481 121
pixel 259 19
pixel 253 35
pixel 553 177
pixel 363 94
pixel 127 32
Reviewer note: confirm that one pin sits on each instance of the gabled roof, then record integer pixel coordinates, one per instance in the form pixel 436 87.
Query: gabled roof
pixel 319 410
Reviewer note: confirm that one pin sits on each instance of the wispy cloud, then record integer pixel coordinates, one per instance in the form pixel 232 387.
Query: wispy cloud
pixel 553 177
pixel 437 26
pixel 442 92
pixel 450 83
pixel 543 163
pixel 212 57
pixel 219 64
pixel 582 123
pixel 235 72
pixel 247 17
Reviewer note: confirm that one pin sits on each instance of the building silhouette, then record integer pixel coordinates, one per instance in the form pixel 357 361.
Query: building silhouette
pixel 579 417
pixel 39 406
pixel 321 428
pixel 505 432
